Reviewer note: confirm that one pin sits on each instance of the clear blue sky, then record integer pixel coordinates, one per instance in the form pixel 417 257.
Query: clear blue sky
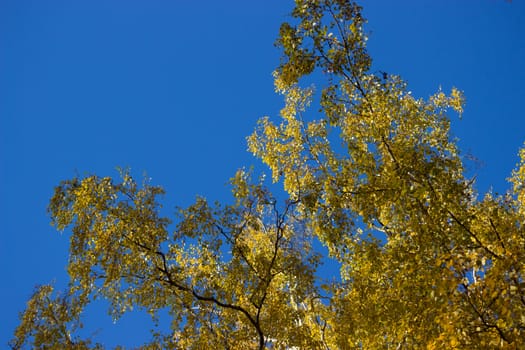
pixel 171 88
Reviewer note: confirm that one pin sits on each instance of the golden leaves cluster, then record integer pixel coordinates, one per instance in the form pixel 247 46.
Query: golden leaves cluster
pixel 424 262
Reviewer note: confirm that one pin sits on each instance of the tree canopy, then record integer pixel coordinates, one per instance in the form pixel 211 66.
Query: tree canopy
pixel 370 172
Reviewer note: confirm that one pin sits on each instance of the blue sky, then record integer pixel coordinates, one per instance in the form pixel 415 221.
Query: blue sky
pixel 172 88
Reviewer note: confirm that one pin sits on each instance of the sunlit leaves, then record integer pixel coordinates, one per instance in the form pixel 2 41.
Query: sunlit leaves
pixel 223 275
pixel 440 276
pixel 50 322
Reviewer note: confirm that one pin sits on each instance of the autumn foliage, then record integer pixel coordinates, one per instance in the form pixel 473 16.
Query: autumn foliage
pixel 371 173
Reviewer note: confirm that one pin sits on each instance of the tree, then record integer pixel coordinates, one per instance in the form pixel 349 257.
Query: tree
pixel 373 175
